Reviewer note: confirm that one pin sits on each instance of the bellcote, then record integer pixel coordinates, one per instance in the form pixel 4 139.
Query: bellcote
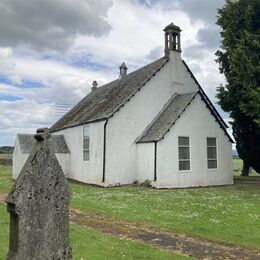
pixel 123 70
pixel 172 38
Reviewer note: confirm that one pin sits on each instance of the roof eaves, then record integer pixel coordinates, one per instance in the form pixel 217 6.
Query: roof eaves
pixel 87 122
pixel 146 142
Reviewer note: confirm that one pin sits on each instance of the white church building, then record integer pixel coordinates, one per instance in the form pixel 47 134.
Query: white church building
pixel 155 124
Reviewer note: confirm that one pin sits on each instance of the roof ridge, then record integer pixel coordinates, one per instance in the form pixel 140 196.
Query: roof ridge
pixel 131 73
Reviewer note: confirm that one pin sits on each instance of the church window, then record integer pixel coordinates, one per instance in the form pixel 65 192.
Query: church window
pixel 86 146
pixel 184 153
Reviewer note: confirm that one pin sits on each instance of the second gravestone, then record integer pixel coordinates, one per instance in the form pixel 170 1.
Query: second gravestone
pixel 39 207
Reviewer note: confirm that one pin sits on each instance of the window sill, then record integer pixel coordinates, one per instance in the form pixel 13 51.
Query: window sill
pixel 184 171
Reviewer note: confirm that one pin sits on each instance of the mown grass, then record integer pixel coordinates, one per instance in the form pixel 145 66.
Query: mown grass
pixel 6 181
pixel 230 214
pixel 237 168
pixel 4 231
pixel 86 243
pixel 92 244
pixel 6 155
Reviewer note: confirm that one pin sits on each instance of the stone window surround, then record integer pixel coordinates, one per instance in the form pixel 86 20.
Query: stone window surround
pixel 212 159
pixel 86 143
pixel 188 160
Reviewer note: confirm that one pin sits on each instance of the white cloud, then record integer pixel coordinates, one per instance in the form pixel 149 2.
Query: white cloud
pixel 136 37
pixel 6 62
pixel 64 84
pixel 51 24
pixel 136 32
pixel 25 117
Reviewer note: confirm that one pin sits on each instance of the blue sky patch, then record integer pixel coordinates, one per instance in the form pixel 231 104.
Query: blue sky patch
pixel 84 62
pixel 4 79
pixel 25 83
pixel 30 84
pixel 10 98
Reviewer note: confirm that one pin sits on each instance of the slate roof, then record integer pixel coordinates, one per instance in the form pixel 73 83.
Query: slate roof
pixel 27 142
pixel 166 118
pixel 104 101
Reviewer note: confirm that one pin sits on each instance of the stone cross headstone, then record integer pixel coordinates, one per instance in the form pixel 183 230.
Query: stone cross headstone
pixel 39 207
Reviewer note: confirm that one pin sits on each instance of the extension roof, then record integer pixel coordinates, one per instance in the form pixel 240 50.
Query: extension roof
pixel 166 118
pixel 27 141
pixel 171 111
pixel 104 101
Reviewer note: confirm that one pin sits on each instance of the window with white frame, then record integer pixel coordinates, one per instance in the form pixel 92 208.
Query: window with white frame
pixel 86 143
pixel 184 153
pixel 212 152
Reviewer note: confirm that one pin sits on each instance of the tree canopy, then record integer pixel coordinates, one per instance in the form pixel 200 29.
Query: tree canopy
pixel 239 61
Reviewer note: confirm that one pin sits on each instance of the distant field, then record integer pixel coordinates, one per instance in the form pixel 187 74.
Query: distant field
pixel 237 167
pixel 6 156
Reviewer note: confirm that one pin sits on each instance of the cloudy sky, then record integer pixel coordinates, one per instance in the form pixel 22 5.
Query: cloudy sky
pixel 52 50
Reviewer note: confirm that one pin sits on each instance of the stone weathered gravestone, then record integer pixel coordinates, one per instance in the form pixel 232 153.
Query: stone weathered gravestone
pixel 39 207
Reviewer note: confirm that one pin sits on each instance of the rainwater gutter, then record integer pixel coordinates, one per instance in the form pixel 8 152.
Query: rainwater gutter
pixel 155 161
pixel 104 151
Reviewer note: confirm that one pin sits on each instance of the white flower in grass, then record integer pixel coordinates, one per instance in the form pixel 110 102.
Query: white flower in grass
pixel 254 216
pixel 214 220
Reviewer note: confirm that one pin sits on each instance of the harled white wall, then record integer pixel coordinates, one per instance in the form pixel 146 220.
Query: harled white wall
pixel 19 159
pixel 180 78
pixel 145 162
pixel 197 123
pixel 85 171
pixel 132 119
pixel 64 161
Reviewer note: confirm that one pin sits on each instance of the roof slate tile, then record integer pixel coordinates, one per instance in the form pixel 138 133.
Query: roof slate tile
pixel 166 117
pixel 57 142
pixel 106 100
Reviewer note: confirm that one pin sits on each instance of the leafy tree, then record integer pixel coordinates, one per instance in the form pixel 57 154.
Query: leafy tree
pixel 6 149
pixel 239 61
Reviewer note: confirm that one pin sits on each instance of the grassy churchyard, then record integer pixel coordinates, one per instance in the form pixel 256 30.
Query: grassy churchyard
pixel 6 156
pixel 228 214
pixel 237 167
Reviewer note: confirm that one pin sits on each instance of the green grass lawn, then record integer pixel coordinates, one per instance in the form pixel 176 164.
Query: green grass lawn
pixel 6 156
pixel 5 178
pixel 92 244
pixel 86 243
pixel 237 167
pixel 230 214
